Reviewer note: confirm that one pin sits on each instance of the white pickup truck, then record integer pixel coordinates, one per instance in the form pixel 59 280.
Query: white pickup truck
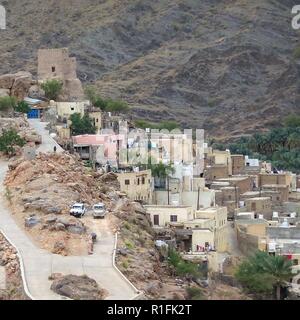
pixel 99 210
pixel 78 210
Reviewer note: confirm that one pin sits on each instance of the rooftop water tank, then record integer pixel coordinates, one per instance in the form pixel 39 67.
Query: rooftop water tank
pixel 260 216
pixel 293 215
pixel 275 214
pixel 285 223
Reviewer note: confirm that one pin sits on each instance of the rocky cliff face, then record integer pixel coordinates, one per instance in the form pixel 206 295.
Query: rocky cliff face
pixel 225 65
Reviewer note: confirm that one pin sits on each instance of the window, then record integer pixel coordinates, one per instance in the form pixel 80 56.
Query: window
pixel 127 182
pixel 173 218
pixel 143 180
pixel 53 69
pixel 72 108
pixel 138 181
pixel 156 220
pixel 295 262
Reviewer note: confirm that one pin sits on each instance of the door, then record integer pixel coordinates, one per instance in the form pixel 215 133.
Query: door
pixel 33 114
pixel 156 219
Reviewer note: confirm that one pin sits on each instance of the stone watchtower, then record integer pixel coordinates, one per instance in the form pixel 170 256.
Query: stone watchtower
pixel 57 64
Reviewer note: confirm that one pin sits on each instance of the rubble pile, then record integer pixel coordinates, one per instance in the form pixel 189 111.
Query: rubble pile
pixel 77 287
pixel 9 260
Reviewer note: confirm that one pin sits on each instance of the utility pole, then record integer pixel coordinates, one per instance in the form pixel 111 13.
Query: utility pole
pixel 236 198
pixel 168 186
pixel 198 200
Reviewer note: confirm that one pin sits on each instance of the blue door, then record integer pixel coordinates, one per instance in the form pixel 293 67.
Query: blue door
pixel 33 114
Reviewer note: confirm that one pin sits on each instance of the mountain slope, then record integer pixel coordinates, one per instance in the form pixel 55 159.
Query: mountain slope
pixel 225 65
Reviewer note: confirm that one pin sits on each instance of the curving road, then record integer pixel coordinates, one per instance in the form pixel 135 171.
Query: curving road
pixel 40 264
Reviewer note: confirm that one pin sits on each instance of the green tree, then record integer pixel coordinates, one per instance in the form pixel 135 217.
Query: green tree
pixel 116 106
pixel 168 125
pixel 7 103
pixel 9 140
pixel 261 273
pixel 22 107
pixel 292 120
pixel 182 267
pixel 161 170
pixel 82 125
pixel 52 88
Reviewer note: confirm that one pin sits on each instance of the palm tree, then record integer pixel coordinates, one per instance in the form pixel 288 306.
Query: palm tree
pixel 262 272
pixel 161 171
pixel 280 268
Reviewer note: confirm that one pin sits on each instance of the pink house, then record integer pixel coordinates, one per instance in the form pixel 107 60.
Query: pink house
pixel 93 146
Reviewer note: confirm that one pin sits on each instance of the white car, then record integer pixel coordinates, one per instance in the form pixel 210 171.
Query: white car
pixel 99 210
pixel 78 210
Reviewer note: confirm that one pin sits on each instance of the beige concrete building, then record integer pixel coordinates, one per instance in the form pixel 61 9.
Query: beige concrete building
pixel 96 116
pixel 286 178
pixel 202 199
pixel 162 216
pixel 244 183
pixel 281 191
pixel 219 216
pixel 66 109
pixel 137 185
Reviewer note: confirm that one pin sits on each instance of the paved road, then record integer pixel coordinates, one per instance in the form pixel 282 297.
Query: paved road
pixel 48 143
pixel 40 264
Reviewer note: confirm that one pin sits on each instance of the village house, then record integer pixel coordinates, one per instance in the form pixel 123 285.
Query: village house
pixel 137 185
pixel 200 198
pixel 286 178
pixel 96 115
pixel 100 148
pixel 228 197
pixel 163 215
pixel 251 234
pixel 280 192
pixel 64 110
pixel 243 183
pixel 238 164
pixel 285 240
pixel 260 205
pixel 219 216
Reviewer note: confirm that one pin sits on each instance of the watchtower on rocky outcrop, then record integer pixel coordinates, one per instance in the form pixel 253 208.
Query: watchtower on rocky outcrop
pixel 57 64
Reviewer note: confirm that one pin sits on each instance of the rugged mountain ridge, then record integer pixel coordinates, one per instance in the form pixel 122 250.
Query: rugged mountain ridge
pixel 225 65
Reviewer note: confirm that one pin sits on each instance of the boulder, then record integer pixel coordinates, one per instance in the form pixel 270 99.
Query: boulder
pixel 78 288
pixel 60 227
pixel 31 222
pixel 17 84
pixel 51 219
pixel 4 92
pixel 7 81
pixel 21 85
pixel 36 92
pixel 59 248
pixel 78 229
pixel 153 288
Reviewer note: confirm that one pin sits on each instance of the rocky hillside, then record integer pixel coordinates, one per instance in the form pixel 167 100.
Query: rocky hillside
pixel 227 64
